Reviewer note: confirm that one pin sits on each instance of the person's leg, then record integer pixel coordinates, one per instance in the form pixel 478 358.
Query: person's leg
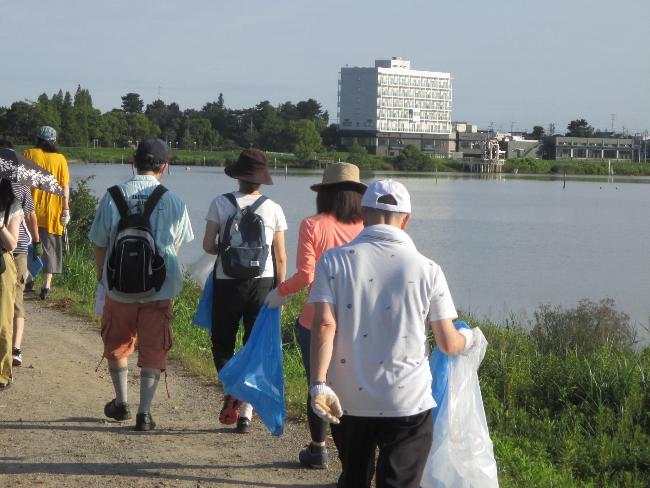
pixel 52 259
pixel 403 450
pixel 227 308
pixel 7 297
pixel 356 442
pixel 119 337
pixel 19 308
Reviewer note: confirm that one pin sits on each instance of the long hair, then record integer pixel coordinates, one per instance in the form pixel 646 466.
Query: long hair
pixel 7 196
pixel 341 201
pixel 46 146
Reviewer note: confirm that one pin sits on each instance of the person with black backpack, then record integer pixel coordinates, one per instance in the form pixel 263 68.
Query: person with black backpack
pixel 245 230
pixel 138 230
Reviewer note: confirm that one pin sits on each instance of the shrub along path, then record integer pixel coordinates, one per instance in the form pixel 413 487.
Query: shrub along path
pixel 53 431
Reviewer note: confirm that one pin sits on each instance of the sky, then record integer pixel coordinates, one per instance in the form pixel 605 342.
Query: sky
pixel 514 63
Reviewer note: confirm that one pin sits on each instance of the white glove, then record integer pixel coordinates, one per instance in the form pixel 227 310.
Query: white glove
pixel 325 403
pixel 468 334
pixel 274 299
pixel 65 217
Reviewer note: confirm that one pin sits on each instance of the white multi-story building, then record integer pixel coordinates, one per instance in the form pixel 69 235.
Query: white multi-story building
pixel 390 105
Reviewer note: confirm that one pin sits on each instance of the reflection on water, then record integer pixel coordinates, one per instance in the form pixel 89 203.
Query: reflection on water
pixel 506 244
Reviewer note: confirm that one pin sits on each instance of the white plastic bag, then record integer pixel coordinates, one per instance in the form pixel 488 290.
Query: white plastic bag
pixel 100 298
pixel 461 454
pixel 201 268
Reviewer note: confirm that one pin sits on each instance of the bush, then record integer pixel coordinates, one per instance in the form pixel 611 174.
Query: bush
pixel 584 329
pixel 82 212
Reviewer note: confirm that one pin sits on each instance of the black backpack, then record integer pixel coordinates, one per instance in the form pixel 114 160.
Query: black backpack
pixel 135 268
pixel 242 249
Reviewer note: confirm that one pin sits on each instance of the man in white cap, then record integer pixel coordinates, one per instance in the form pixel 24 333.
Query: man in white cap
pixel 374 299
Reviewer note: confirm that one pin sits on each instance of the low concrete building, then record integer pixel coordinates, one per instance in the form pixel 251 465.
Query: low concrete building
pixel 591 148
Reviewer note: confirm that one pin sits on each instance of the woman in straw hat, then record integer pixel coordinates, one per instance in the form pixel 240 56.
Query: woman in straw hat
pixel 337 221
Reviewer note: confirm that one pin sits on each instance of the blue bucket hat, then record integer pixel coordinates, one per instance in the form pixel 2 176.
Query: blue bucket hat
pixel 47 133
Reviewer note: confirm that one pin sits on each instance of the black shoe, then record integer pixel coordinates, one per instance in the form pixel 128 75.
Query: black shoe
pixel 117 411
pixel 315 457
pixel 243 425
pixel 30 287
pixel 144 421
pixel 45 293
pixel 5 386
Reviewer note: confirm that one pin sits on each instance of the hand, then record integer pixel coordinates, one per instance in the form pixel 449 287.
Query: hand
pixel 274 299
pixel 468 334
pixel 325 403
pixel 37 250
pixel 65 217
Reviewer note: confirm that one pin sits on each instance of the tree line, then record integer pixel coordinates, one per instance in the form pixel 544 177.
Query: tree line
pixel 302 128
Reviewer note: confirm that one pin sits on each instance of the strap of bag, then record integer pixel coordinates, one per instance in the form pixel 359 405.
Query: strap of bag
pixel 119 200
pixel 231 198
pixel 153 200
pixel 257 203
pixel 5 222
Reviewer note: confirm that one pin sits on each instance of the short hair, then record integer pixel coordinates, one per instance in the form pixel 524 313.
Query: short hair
pixel 47 146
pixel 148 164
pixel 341 202
pixel 248 187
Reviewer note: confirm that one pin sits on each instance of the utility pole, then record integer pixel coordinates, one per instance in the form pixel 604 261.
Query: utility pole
pixel 613 119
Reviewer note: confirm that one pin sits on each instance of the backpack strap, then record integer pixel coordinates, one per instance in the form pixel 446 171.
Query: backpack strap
pixel 257 203
pixel 153 200
pixel 119 200
pixel 231 198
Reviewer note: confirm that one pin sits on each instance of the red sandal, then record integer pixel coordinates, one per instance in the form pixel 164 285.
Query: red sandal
pixel 229 411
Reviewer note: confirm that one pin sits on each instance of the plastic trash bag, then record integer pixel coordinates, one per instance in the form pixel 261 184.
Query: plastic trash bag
pixel 34 266
pixel 461 454
pixel 203 314
pixel 255 373
pixel 200 269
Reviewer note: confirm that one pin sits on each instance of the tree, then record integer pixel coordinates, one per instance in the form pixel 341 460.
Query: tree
pixel 132 103
pixel 538 132
pixel 579 128
pixel 358 153
pixel 412 159
pixel 305 138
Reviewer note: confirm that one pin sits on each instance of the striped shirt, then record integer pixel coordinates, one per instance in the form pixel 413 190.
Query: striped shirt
pixel 23 195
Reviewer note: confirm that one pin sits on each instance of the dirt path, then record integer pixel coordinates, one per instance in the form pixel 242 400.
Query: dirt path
pixel 53 431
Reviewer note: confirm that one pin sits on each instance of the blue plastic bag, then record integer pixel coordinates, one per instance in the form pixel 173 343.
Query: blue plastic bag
pixel 439 364
pixel 255 373
pixel 33 265
pixel 203 315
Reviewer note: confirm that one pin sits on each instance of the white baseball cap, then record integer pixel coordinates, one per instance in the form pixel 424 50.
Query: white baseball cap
pixel 381 188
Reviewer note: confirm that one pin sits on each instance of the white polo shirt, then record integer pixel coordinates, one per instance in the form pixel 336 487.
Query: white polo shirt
pixel 384 294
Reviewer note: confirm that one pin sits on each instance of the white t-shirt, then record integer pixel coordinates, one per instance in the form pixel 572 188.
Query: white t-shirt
pixel 271 213
pixel 384 293
pixel 15 211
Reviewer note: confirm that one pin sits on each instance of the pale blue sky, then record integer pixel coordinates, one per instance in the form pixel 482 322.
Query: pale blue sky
pixel 516 63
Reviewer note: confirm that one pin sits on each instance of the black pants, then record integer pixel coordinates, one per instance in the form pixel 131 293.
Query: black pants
pixel 404 444
pixel 235 300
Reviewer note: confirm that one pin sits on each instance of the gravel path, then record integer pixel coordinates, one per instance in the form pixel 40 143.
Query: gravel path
pixel 53 431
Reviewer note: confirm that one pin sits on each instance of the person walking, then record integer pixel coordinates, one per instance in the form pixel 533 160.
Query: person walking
pixel 143 318
pixel 11 217
pixel 374 298
pixel 52 211
pixel 239 291
pixel 337 221
pixel 28 234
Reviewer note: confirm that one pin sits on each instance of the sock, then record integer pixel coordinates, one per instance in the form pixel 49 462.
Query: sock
pixel 119 377
pixel 148 383
pixel 246 410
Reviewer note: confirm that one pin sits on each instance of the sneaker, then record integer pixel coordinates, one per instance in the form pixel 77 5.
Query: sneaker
pixel 315 457
pixel 17 357
pixel 228 414
pixel 144 422
pixel 45 293
pixel 5 386
pixel 30 287
pixel 117 411
pixel 243 425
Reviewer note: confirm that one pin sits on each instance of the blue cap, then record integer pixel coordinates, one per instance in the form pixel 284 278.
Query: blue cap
pixel 47 133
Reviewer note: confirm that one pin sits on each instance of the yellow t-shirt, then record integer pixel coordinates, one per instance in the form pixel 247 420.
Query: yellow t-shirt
pixel 48 206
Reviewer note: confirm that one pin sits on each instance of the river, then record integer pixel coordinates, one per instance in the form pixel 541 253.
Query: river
pixel 506 244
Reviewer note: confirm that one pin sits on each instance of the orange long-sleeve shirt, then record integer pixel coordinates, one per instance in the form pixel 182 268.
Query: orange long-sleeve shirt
pixel 317 234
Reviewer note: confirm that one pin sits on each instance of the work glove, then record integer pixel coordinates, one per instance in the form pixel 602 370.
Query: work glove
pixel 274 299
pixel 325 403
pixel 37 250
pixel 468 334
pixel 65 217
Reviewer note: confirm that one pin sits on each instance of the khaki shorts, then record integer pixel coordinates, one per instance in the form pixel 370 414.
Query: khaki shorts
pixel 52 251
pixel 21 271
pixel 148 324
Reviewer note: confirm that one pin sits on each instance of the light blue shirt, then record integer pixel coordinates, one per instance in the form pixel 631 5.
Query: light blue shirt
pixel 170 225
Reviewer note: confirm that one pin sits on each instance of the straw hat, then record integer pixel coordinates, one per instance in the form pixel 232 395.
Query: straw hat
pixel 344 174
